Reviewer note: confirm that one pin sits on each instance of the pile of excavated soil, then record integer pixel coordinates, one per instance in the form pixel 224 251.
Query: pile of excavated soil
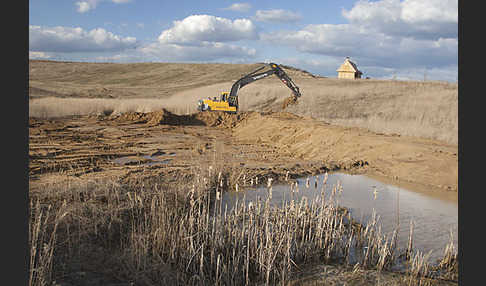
pixel 221 119
pixel 289 101
pixel 165 117
pixel 130 117
pixel 213 118
pixel 152 118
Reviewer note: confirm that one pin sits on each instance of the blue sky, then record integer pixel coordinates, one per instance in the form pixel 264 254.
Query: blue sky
pixel 409 39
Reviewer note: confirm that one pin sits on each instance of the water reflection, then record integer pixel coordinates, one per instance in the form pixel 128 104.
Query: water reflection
pixel 434 219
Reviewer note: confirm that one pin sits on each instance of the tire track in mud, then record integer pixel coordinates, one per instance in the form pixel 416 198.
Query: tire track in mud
pixel 275 141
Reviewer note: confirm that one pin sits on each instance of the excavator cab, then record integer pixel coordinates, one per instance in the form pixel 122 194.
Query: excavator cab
pixel 232 100
pixel 225 103
pixel 224 96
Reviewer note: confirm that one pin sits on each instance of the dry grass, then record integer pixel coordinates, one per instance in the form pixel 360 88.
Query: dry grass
pixel 414 108
pixel 43 226
pixel 51 107
pixel 135 80
pixel 179 233
pixel 421 109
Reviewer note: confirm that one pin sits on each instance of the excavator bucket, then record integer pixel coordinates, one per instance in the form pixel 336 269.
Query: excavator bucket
pixel 229 100
pixel 289 101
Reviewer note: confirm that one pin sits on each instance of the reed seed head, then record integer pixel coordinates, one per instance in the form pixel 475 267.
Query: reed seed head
pixel 269 182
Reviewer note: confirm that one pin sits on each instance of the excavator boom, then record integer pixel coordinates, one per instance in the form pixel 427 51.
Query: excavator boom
pixel 229 100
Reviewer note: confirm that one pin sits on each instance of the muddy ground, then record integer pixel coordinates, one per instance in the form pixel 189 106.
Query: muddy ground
pixel 137 145
pixel 162 145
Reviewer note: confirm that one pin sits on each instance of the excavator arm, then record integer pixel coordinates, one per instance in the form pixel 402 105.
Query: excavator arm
pixel 229 100
pixel 254 76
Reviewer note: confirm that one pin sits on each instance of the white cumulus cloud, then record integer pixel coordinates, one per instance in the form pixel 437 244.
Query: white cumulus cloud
pixel 370 47
pixel 239 7
pixel 39 55
pixel 198 28
pixel 277 15
pixel 69 40
pixel 410 18
pixel 87 5
pixel 205 51
pixel 203 38
pixel 384 35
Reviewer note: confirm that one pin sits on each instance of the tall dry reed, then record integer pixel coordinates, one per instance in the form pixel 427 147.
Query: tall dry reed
pixel 43 226
pixel 152 232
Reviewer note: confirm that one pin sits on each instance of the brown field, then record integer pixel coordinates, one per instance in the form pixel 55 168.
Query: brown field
pixel 421 109
pixel 124 174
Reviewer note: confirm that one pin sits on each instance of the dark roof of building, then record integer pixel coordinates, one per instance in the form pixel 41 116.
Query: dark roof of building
pixel 352 64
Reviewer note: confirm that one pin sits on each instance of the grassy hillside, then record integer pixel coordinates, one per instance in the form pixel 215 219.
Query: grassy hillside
pixel 423 109
pixel 109 80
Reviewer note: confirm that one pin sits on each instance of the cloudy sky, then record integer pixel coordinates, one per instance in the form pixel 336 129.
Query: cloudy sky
pixel 408 39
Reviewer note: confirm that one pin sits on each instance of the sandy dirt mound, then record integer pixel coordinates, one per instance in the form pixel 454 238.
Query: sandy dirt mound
pixel 166 117
pixel 411 159
pixel 289 101
pixel 221 119
pixel 130 117
pixel 213 119
pixel 154 118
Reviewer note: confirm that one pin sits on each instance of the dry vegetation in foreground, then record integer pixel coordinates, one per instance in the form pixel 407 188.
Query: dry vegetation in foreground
pixel 175 232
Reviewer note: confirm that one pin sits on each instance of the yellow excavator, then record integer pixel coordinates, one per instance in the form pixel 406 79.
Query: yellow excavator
pixel 228 101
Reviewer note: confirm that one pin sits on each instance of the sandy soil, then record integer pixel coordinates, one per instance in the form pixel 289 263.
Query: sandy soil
pixel 134 145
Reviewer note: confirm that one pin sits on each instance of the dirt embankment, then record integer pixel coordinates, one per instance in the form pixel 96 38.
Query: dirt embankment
pixel 268 142
pixel 166 117
pixel 425 162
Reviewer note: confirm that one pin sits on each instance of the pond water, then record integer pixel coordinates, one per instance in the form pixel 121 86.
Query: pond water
pixel 434 218
pixel 143 160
